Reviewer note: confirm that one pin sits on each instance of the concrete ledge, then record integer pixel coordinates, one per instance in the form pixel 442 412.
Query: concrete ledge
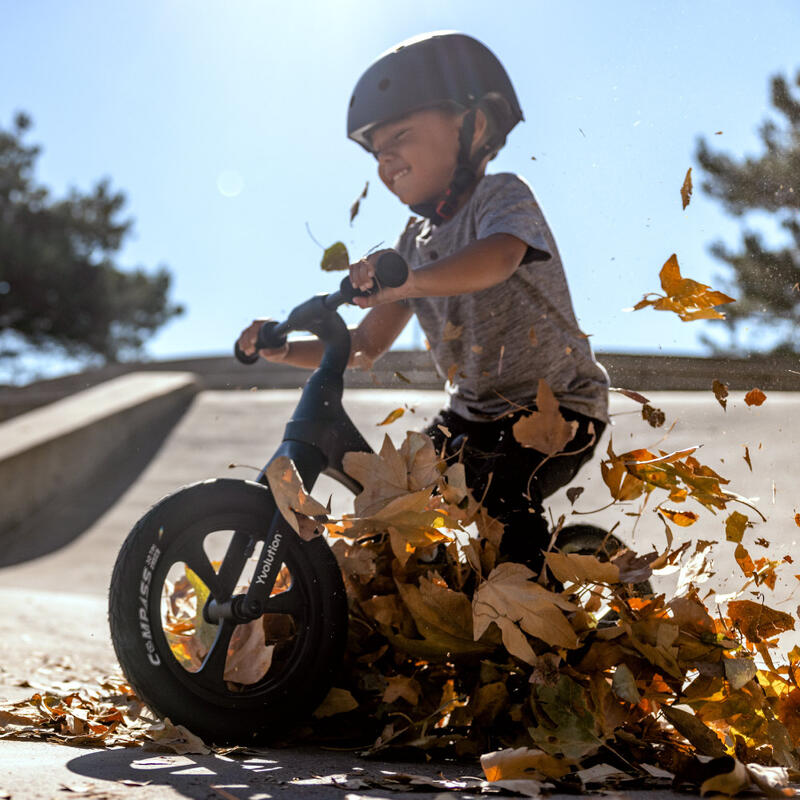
pixel 58 448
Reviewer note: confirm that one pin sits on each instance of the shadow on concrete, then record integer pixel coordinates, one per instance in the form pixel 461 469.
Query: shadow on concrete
pixel 68 514
pixel 262 774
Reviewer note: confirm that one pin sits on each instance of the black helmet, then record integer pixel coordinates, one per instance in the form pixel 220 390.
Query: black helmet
pixel 444 67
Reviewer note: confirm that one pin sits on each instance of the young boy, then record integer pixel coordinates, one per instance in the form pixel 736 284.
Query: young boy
pixel 485 278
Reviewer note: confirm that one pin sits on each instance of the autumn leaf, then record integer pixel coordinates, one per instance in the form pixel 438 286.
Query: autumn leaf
pixel 757 621
pixel 290 496
pixel 721 393
pixel 335 258
pixel 695 731
pixel 621 483
pixel 249 656
pixel 357 203
pixel 755 397
pixel 735 525
pixel 747 457
pixel 573 493
pixel 682 518
pixel 337 701
pixel 686 189
pixel 577 569
pixel 451 332
pixel 393 416
pixel 532 338
pixel 544 430
pixel 522 762
pixel 689 299
pixel 653 416
pixel 515 604
pixel 402 687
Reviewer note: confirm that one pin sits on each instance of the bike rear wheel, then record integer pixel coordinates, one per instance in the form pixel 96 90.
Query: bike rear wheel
pixel 226 682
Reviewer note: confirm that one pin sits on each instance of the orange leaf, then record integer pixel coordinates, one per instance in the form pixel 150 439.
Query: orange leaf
pixel 755 397
pixel 544 430
pixel 682 518
pixel 393 416
pixel 757 621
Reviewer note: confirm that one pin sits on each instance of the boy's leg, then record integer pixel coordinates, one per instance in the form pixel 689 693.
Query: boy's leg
pixel 511 480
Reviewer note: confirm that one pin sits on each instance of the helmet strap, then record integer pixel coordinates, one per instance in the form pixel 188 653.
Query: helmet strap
pixel 464 178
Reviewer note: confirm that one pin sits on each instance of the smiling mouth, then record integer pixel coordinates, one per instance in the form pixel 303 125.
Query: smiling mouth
pixel 400 174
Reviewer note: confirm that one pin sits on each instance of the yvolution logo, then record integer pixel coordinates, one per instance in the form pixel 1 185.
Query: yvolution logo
pixel 266 567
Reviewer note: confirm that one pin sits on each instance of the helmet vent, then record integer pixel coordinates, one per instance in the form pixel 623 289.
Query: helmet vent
pixel 384 84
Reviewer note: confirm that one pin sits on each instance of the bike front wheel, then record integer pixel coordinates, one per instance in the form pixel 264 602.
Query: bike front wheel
pixel 226 682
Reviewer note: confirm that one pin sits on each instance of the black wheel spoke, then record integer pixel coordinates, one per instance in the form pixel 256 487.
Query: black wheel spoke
pixel 197 560
pixel 213 669
pixel 288 602
pixel 233 562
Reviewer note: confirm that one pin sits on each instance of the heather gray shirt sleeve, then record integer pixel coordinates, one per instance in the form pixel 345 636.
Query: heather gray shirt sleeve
pixel 493 346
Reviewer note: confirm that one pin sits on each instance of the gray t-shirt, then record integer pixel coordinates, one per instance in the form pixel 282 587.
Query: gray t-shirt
pixel 494 345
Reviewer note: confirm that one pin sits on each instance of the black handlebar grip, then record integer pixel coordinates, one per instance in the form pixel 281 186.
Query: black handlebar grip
pixel 267 340
pixel 391 271
pixel 242 357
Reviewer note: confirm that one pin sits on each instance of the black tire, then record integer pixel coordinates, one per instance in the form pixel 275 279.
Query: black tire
pixel 594 541
pixel 219 711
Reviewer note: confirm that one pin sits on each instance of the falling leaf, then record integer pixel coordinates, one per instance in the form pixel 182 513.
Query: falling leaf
pixel 735 525
pixel 400 376
pixel 337 701
pixel 544 430
pixel 747 457
pixel 682 518
pixel 393 416
pixel 574 493
pixel 477 349
pixel 758 621
pixel 797 520
pixel 689 299
pixel 695 731
pixel 755 397
pixel 532 338
pixel 639 398
pixel 451 332
pixel 357 204
pixel 739 671
pixel 686 189
pixel 249 656
pixel 451 373
pixel 335 258
pixel 654 416
pixel 721 393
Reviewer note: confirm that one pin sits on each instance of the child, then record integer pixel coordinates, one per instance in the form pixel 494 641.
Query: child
pixel 485 279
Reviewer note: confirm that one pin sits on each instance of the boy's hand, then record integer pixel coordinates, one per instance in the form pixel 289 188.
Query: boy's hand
pixel 249 336
pixel 362 276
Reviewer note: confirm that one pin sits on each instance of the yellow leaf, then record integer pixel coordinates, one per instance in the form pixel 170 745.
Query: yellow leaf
pixel 544 430
pixel 522 762
pixel 515 604
pixel 335 258
pixel 734 526
pixel 682 518
pixel 393 416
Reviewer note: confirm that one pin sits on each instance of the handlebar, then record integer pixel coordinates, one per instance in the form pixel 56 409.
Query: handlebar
pixel 391 271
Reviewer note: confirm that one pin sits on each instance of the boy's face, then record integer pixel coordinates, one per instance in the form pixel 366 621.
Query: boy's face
pixel 417 154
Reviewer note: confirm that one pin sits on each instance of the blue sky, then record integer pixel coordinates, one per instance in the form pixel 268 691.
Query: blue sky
pixel 223 122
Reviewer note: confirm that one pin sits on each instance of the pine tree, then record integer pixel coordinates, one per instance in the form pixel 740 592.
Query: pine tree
pixel 60 289
pixel 765 280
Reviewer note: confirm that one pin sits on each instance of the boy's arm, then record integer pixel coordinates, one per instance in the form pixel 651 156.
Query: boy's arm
pixel 372 337
pixel 479 265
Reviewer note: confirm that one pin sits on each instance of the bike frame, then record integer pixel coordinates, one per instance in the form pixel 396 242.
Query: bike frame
pixel 316 437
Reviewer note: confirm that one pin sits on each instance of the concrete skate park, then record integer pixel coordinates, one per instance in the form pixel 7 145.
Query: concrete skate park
pixel 83 457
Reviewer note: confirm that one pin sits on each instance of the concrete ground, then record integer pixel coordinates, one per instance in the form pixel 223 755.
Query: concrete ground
pixel 53 625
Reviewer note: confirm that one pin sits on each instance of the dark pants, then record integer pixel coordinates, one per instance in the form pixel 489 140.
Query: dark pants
pixel 492 457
